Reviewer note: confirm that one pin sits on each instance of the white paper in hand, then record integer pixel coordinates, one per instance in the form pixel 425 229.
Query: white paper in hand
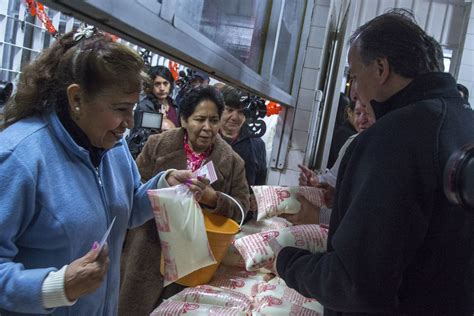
pixel 207 171
pixel 106 235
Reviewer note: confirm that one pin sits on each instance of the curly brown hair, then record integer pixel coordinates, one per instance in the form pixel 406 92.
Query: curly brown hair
pixel 94 63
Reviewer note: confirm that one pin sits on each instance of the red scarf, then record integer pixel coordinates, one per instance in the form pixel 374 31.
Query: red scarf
pixel 194 160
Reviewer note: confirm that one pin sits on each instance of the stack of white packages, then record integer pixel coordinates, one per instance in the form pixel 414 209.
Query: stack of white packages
pixel 236 291
pixel 275 298
pixel 176 308
pixel 240 294
pixel 237 279
pixel 206 300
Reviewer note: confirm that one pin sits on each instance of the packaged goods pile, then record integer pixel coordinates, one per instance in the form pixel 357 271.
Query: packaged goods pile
pixel 236 291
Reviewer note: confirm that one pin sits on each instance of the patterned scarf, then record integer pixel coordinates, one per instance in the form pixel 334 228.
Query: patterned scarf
pixel 194 160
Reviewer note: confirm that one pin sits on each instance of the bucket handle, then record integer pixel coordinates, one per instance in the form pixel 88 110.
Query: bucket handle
pixel 240 207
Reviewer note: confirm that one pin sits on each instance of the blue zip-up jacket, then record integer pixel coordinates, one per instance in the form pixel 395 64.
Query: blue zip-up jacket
pixel 53 205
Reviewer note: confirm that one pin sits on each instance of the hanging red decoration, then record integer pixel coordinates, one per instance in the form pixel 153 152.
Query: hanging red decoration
pixel 37 9
pixel 31 5
pixel 112 37
pixel 273 108
pixel 173 67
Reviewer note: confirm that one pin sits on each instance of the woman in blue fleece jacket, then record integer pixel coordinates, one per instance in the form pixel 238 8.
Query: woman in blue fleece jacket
pixel 66 173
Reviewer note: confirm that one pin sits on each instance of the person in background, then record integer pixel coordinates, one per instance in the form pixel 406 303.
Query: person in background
pixel 364 118
pixel 157 100
pixel 159 94
pixel 396 245
pixel 199 79
pixel 464 92
pixel 67 174
pixel 219 86
pixel 6 89
pixel 344 128
pixel 189 147
pixel 250 149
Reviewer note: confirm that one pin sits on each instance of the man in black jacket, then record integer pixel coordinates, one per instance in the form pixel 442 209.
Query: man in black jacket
pixel 396 245
pixel 250 149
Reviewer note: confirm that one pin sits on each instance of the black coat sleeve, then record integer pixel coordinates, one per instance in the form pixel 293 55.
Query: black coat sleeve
pixel 261 161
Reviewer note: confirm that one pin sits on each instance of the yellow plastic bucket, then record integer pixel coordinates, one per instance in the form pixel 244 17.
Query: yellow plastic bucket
pixel 220 233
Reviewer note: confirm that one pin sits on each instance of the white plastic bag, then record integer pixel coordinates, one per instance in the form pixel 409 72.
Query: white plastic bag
pixel 210 295
pixel 175 308
pixel 237 280
pixel 273 306
pixel 180 223
pixel 257 252
pixel 277 288
pixel 276 200
pixel 233 257
pixel 253 226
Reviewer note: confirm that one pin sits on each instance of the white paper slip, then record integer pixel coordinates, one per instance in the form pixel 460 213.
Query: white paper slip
pixel 106 235
pixel 208 171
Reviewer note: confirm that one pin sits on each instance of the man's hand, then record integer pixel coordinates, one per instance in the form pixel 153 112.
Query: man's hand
pixel 329 193
pixel 85 275
pixel 307 177
pixel 308 214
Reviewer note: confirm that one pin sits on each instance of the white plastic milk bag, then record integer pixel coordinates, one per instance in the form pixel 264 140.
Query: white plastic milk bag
pixel 276 200
pixel 180 223
pixel 258 253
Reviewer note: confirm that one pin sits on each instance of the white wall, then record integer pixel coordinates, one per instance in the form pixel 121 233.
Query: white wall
pixel 306 96
pixel 442 19
pixel 466 70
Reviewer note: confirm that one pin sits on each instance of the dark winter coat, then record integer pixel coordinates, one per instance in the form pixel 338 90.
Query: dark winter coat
pixel 396 245
pixel 341 134
pixel 252 151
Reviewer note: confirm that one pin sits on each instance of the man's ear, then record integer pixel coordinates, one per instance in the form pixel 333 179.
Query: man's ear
pixel 74 93
pixel 383 69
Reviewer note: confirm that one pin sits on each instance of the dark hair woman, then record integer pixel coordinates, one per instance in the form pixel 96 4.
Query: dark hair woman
pixel 189 147
pixel 157 99
pixel 160 89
